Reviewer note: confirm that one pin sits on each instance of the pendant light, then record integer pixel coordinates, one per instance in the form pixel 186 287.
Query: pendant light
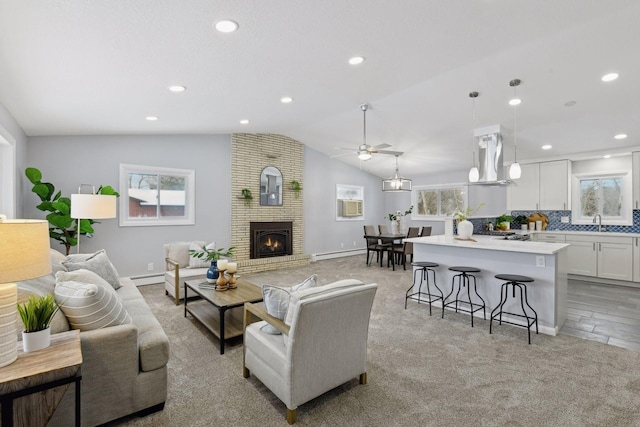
pixel 474 174
pixel 397 183
pixel 514 170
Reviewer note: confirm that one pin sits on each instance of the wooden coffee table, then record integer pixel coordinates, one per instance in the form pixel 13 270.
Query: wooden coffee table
pixel 214 320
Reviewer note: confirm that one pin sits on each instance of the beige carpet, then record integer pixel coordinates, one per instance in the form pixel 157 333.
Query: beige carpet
pixel 422 371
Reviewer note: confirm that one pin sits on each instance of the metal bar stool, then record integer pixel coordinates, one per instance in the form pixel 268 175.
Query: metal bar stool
pixel 515 281
pixel 463 281
pixel 424 267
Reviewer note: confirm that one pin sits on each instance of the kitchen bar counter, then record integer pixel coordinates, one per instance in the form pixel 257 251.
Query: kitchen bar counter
pixel 545 262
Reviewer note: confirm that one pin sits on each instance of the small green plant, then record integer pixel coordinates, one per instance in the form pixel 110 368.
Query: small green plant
pixel 296 188
pixel 463 215
pixel 399 214
pixel 37 313
pixel 246 195
pixel 212 254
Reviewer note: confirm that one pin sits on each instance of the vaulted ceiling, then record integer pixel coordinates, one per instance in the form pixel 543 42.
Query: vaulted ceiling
pixel 99 67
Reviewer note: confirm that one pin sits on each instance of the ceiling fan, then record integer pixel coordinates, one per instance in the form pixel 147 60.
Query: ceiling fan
pixel 365 150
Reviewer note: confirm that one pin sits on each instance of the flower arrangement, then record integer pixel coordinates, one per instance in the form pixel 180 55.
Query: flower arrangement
pixel 396 216
pixel 212 254
pixel 464 214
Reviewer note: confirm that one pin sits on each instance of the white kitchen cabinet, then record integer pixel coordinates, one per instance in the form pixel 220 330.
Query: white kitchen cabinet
pixel 523 194
pixel 542 186
pixel 636 259
pixel 607 257
pixel 636 179
pixel 549 237
pixel 555 184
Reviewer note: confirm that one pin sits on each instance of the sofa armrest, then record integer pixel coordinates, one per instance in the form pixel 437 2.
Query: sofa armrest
pixel 256 312
pixel 173 265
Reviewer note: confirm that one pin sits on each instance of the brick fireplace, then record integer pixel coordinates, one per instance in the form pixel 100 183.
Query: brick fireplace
pixel 250 153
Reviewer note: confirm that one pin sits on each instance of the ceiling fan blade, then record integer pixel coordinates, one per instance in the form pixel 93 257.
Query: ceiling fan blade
pixel 380 146
pixel 393 153
pixel 343 154
pixel 344 148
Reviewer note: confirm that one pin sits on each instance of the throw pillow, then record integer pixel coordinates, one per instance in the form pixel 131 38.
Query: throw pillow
pixel 88 306
pixel 199 262
pixel 276 300
pixel 100 264
pixel 82 275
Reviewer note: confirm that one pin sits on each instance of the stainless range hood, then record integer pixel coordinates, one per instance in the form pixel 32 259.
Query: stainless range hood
pixel 490 156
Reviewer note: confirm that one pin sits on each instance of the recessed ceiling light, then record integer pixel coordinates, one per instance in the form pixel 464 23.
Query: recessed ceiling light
pixel 570 103
pixel 286 99
pixel 546 147
pixel 607 156
pixel 226 26
pixel 356 60
pixel 177 88
pixel 515 101
pixel 244 122
pixel 610 77
pixel 620 136
pixel 151 118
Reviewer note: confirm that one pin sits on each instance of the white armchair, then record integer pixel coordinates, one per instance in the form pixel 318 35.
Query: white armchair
pixel 323 342
pixel 179 266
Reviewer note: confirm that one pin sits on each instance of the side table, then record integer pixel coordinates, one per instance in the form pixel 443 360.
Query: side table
pixel 55 366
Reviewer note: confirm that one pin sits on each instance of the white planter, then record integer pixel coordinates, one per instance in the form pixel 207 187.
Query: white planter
pixel 465 229
pixel 34 341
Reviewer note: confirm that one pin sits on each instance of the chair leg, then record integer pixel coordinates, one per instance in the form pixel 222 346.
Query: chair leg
pixel 246 373
pixel 363 378
pixel 291 416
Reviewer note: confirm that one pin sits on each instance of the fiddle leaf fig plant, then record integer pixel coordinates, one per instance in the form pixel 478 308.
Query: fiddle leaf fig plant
pixel 62 227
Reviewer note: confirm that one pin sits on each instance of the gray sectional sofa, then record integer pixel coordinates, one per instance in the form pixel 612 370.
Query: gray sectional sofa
pixel 124 369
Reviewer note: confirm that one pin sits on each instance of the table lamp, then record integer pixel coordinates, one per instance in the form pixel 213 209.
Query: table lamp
pixel 24 254
pixel 91 206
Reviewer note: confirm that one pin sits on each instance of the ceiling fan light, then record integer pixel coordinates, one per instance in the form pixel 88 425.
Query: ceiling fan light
pixel 474 174
pixel 364 155
pixel 515 171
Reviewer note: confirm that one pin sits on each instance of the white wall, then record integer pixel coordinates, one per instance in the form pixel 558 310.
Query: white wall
pixel 68 161
pixel 13 134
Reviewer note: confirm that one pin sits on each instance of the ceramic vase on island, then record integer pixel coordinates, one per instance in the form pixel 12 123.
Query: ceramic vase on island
pixel 465 229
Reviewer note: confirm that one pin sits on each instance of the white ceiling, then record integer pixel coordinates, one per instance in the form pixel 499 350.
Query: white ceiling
pixel 78 67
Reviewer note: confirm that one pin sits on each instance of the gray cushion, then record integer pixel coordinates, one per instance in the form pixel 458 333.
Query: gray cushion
pixel 276 300
pixel 100 264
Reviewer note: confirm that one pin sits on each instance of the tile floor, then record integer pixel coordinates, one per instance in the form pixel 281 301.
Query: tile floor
pixel 604 313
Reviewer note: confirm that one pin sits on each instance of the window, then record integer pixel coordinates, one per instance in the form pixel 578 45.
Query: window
pixel 608 195
pixel 156 196
pixel 438 201
pixel 348 196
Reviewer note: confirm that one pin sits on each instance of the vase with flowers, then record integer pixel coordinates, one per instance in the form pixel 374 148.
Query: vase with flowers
pixel 396 219
pixel 464 226
pixel 210 253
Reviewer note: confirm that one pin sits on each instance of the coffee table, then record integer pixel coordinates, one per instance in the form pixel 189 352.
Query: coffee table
pixel 214 320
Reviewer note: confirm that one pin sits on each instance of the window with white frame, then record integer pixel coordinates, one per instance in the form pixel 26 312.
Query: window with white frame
pixel 156 196
pixel 438 202
pixel 605 194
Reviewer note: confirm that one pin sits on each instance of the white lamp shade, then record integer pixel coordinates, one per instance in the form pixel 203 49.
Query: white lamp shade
pixel 515 171
pixel 93 206
pixel 24 250
pixel 474 174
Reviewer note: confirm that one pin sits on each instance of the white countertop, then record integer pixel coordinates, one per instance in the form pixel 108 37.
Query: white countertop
pixel 494 243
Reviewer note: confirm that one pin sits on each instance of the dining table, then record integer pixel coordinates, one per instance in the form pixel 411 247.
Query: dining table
pixel 388 238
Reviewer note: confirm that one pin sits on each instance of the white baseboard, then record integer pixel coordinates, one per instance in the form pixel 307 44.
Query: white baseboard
pixel 337 254
pixel 149 279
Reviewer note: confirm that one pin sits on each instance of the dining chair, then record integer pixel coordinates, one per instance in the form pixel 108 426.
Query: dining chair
pixel 373 245
pixel 406 248
pixel 426 231
pixel 383 229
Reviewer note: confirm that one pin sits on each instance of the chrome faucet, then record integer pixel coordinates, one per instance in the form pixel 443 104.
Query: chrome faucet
pixel 599 221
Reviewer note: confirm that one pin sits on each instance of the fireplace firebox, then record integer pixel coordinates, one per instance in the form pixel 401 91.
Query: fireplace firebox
pixel 270 239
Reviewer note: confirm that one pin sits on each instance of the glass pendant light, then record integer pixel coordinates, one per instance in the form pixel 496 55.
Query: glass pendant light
pixel 474 174
pixel 514 170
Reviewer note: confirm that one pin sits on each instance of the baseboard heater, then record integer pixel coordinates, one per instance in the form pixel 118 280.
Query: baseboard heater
pixel 148 279
pixel 337 254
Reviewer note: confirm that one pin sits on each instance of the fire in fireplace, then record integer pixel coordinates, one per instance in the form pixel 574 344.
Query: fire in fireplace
pixel 269 239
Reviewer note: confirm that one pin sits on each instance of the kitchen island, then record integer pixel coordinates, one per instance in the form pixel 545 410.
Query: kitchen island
pixel 544 262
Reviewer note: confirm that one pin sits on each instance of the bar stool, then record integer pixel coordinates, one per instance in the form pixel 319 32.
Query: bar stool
pixel 424 267
pixel 463 281
pixel 519 282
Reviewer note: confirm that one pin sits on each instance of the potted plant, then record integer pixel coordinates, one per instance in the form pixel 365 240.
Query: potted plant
pixel 296 188
pixel 246 195
pixel 465 227
pixel 503 222
pixel 37 314
pixel 213 255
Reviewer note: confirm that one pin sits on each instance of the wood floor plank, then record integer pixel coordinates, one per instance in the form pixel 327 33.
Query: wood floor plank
pixel 585 335
pixel 624 344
